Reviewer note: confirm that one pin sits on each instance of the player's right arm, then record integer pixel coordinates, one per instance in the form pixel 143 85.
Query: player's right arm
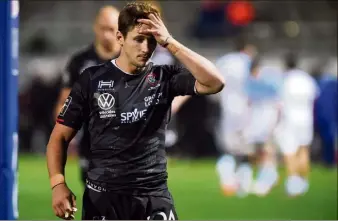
pixel 69 76
pixel 63 200
pixel 72 115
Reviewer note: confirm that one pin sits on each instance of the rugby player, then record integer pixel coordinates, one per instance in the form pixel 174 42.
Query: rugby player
pixel 263 88
pixel 294 132
pixel 235 67
pixel 126 103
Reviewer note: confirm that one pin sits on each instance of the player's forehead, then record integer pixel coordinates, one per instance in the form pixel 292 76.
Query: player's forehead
pixel 135 31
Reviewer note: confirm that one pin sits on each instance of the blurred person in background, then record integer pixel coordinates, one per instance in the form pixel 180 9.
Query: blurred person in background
pixel 103 49
pixel 263 88
pixel 326 112
pixel 294 132
pixel 235 67
pixel 38 92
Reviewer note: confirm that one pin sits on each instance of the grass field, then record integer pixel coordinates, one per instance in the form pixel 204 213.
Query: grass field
pixel 195 188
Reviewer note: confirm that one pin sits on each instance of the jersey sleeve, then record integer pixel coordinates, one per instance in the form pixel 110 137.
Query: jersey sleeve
pixel 76 107
pixel 71 73
pixel 181 82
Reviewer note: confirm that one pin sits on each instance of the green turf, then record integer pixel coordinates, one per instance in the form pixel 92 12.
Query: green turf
pixel 194 186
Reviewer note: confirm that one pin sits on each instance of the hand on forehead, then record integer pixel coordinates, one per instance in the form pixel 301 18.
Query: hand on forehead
pixel 142 27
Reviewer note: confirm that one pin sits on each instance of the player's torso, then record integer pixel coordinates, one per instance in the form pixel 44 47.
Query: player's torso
pixel 127 121
pixel 127 108
pixel 299 93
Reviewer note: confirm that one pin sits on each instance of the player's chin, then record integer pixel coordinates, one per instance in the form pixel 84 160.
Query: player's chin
pixel 141 63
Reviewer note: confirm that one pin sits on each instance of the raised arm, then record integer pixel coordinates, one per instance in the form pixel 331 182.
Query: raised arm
pixel 208 78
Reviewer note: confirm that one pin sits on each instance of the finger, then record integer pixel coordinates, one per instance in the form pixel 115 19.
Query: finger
pixel 69 216
pixel 62 209
pixel 73 202
pixel 147 22
pixel 67 207
pixel 58 212
pixel 155 18
pixel 149 31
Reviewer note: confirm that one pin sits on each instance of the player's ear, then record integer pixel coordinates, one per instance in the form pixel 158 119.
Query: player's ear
pixel 120 38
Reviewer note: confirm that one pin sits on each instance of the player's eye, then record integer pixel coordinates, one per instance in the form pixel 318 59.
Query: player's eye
pixel 139 39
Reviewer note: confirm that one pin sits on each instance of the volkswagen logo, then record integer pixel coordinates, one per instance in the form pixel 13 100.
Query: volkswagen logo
pixel 106 101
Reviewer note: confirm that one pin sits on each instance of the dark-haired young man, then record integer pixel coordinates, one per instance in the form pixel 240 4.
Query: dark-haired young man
pixel 127 104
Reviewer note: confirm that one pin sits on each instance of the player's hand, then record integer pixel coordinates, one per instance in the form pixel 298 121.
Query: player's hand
pixel 155 26
pixel 63 202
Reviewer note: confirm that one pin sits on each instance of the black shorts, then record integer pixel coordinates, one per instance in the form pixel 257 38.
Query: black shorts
pixel 114 206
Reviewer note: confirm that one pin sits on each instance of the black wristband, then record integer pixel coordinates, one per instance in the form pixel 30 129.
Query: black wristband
pixel 166 42
pixel 58 185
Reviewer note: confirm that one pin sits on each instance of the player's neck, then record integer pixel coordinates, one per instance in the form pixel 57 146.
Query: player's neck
pixel 123 63
pixel 103 53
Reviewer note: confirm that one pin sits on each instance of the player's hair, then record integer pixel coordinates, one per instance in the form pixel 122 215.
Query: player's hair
pixel 241 42
pixel 131 13
pixel 291 60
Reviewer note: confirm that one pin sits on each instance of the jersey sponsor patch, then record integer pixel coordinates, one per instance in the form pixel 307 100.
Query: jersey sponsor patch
pixel 106 101
pixel 65 106
pixel 151 78
pixel 105 85
pixel 133 116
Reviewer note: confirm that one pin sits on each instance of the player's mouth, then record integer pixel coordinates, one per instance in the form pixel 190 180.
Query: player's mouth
pixel 143 58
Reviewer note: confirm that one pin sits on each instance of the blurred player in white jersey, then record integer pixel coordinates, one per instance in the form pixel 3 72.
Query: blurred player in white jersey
pixel 294 133
pixel 262 87
pixel 235 67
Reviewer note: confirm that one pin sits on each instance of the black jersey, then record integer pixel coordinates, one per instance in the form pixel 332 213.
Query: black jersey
pixel 78 62
pixel 75 66
pixel 127 116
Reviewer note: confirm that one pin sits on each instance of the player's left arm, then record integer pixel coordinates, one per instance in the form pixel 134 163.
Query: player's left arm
pixel 208 78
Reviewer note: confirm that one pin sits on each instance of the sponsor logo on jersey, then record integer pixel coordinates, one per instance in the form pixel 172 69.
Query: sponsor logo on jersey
pixel 152 99
pixel 151 78
pixel 105 85
pixel 65 106
pixel 134 116
pixel 106 101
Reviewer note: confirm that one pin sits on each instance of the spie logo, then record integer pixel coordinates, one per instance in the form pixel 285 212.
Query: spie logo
pixel 151 78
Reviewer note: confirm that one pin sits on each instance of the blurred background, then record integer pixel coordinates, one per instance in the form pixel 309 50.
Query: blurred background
pixel 51 31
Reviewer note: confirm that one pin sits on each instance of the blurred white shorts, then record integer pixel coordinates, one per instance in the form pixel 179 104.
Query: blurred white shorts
pixel 289 136
pixel 261 124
